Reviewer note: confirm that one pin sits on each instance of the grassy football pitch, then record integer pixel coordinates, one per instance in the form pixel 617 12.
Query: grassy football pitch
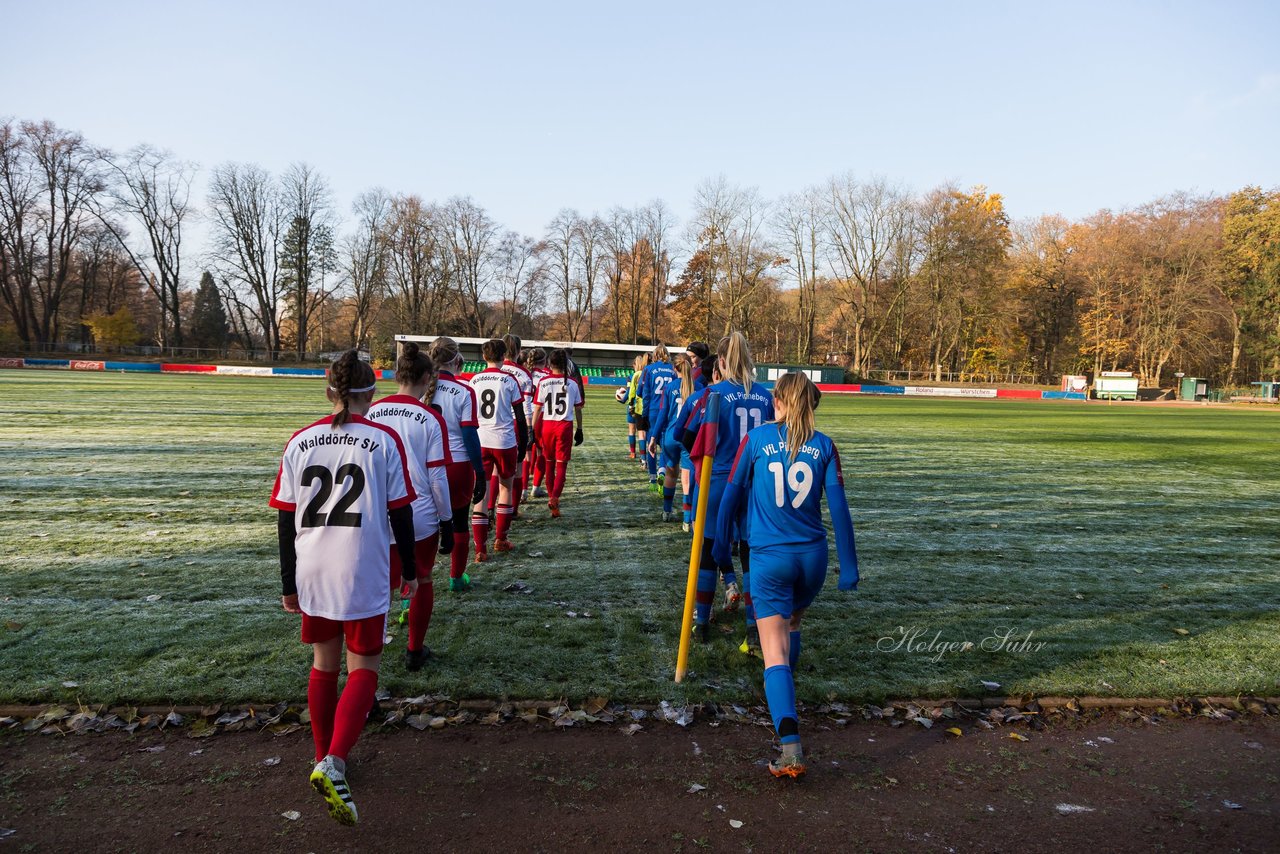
pixel 1077 548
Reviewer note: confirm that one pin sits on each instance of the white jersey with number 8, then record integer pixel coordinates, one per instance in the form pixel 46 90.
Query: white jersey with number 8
pixel 340 483
pixel 497 396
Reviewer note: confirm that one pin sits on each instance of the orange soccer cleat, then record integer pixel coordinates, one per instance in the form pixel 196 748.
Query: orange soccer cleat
pixel 554 507
pixel 502 546
pixel 481 556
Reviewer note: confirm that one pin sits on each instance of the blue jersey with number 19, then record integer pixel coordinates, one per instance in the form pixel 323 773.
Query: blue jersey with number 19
pixel 783 496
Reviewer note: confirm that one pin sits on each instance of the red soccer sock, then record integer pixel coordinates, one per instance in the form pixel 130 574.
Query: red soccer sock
pixel 517 487
pixel 353 710
pixel 503 518
pixel 551 479
pixel 479 530
pixel 322 701
pixel 458 557
pixel 557 485
pixel 493 491
pixel 420 609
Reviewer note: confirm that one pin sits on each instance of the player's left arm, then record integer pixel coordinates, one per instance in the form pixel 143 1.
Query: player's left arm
pixel 841 522
pixel 522 431
pixel 286 531
pixel 577 417
pixel 735 493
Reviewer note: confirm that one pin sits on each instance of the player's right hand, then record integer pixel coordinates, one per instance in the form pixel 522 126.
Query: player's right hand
pixel 290 603
pixel 478 493
pixel 410 589
pixel 446 538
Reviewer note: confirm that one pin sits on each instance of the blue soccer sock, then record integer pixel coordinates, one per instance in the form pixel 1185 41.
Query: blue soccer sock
pixel 652 460
pixel 668 499
pixel 795 649
pixel 631 440
pixel 730 577
pixel 780 694
pixel 706 594
pixel 748 606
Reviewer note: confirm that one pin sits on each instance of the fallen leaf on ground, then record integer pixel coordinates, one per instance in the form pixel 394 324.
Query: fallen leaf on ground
pixel 271 760
pixel 990 686
pixel 955 730
pixel 1232 805
pixel 1253 745
pixel 292 815
pixel 630 729
pixel 1182 631
pixel 70 684
pixel 734 823
pixel 13 625
pixel 154 597
pixel 1068 809
pixel 1017 736
pixel 695 788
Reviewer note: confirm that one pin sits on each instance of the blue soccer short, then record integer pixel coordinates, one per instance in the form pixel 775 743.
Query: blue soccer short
pixel 631 416
pixel 671 455
pixel 786 578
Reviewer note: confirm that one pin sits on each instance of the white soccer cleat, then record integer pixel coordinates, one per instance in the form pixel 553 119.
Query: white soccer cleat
pixel 329 778
pixel 732 596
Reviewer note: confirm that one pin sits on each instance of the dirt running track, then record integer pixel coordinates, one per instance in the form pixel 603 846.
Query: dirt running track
pixel 533 788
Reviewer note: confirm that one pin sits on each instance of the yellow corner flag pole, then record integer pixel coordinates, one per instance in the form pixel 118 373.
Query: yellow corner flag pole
pixel 710 418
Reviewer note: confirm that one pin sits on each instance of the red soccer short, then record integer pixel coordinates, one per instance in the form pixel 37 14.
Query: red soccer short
pixel 501 460
pixel 424 552
pixel 462 480
pixel 557 440
pixel 364 637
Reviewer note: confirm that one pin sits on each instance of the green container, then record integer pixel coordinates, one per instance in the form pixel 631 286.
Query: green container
pixel 1193 388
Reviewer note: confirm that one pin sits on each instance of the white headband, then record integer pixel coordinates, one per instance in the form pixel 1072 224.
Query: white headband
pixel 355 390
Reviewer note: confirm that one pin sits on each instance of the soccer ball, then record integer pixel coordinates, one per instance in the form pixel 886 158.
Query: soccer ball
pixel 621 394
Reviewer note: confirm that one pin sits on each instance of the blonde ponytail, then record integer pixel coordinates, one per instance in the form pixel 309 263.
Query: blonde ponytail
pixel 735 360
pixel 800 397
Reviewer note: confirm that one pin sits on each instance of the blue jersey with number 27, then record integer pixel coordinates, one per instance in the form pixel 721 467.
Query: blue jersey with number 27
pixel 783 496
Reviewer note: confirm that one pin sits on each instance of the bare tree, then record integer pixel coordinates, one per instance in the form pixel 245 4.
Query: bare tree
pixel 50 180
pixel 419 263
pixel 658 223
pixel 801 217
pixel 866 222
pixel 472 237
pixel 307 252
pixel 248 227
pixel 517 267
pixel 567 267
pixel 365 260
pixel 729 226
pixel 153 189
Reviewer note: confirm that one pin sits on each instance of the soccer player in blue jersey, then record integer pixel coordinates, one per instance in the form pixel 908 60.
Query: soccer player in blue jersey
pixel 744 404
pixel 664 442
pixel 780 474
pixel 654 379
pixel 697 353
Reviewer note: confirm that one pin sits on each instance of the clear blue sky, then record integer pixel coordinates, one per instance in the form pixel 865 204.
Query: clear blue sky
pixel 534 106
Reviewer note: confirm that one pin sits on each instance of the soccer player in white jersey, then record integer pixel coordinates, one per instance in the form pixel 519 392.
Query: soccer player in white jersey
pixel 557 406
pixel 424 434
pixel 456 402
pixel 534 463
pixel 511 364
pixel 342 488
pixel 503 439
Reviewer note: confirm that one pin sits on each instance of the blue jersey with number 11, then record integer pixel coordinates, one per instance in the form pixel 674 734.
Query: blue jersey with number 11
pixel 741 410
